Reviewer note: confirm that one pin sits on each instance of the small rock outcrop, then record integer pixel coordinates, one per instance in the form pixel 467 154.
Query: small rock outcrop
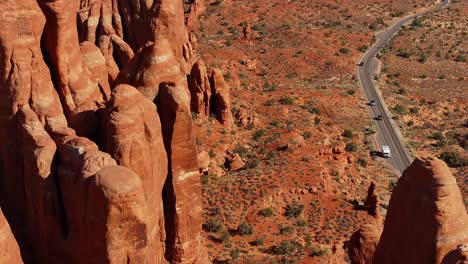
pixel 234 162
pixel 362 244
pixel 246 119
pixel 426 217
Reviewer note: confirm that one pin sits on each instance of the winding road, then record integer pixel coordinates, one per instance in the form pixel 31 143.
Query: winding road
pixel 388 133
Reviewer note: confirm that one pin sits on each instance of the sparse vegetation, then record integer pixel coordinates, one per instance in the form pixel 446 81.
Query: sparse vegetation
pixel 294 209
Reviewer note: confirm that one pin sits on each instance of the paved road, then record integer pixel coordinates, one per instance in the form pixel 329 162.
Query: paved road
pixel 388 133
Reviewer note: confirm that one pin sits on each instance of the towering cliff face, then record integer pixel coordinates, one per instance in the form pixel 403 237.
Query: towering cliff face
pixel 426 218
pixel 93 171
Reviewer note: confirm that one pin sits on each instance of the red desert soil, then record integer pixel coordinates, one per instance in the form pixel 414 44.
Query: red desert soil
pixel 306 143
pixel 425 83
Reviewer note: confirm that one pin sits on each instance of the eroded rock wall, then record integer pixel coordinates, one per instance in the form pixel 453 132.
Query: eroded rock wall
pixel 94 171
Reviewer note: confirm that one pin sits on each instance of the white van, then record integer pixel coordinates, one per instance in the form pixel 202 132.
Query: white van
pixel 386 151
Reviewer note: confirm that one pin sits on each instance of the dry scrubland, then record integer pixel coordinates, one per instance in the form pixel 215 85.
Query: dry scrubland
pixel 307 150
pixel 424 81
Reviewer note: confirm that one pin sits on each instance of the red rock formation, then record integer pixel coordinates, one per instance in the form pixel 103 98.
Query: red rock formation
pixel 362 244
pixel 426 218
pixel 96 63
pixel 133 137
pixel 158 73
pixel 79 91
pixel 234 162
pixel 246 119
pixel 192 9
pixel 67 201
pixel 9 249
pixel 200 90
pixel 246 30
pixel 182 191
pixel 221 101
pixel 372 201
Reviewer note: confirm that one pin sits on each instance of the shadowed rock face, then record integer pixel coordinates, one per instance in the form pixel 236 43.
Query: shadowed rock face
pixel 426 218
pixel 95 172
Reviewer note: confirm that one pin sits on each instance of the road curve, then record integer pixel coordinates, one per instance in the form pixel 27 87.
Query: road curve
pixel 388 133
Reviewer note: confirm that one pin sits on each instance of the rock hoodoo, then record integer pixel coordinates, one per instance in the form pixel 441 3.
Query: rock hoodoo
pixel 101 162
pixel 372 201
pixel 221 100
pixel 200 90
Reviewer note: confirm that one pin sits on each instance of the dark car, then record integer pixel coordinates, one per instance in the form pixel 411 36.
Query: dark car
pixel 361 64
pixel 379 117
pixel 372 102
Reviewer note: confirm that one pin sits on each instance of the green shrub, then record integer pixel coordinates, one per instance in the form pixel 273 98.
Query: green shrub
pixel 404 54
pixel 211 153
pixel 213 225
pixel 225 237
pixel 244 229
pixel 400 109
pixel 348 133
pixel 258 242
pixel 286 100
pixel 269 102
pixel 286 230
pixel 317 120
pixel 267 212
pixel 235 254
pixel 288 247
pixel 294 210
pixel 351 147
pixel 362 161
pixel 344 50
pixel 453 159
pixel 301 222
pixel 204 179
pixel 363 48
pixel 258 134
